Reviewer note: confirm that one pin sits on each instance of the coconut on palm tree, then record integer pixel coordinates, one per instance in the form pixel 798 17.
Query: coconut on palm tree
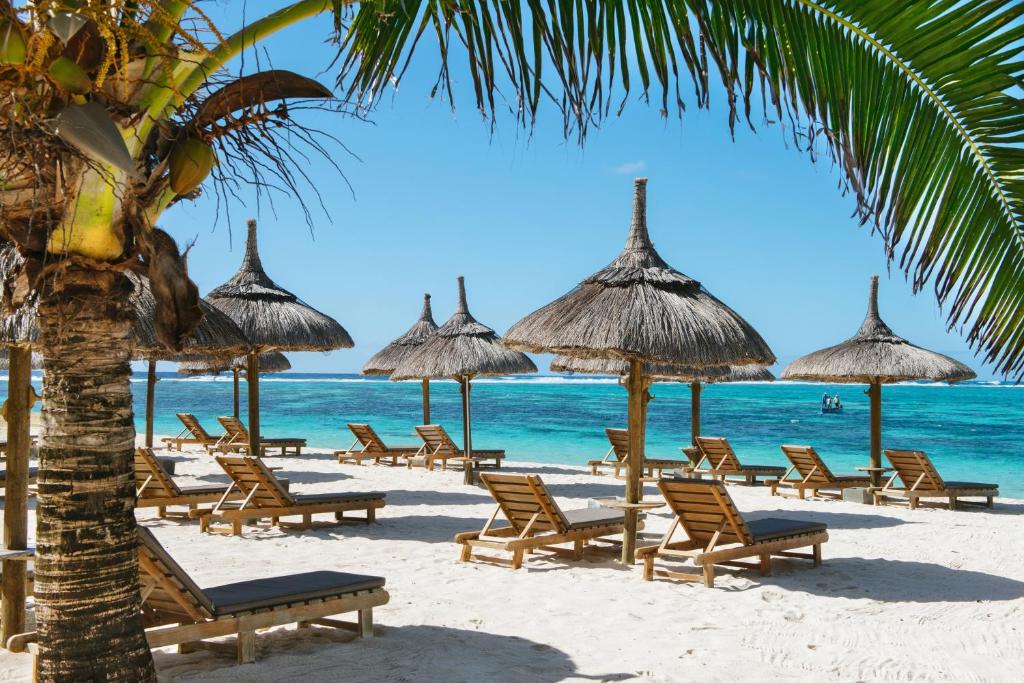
pixel 112 111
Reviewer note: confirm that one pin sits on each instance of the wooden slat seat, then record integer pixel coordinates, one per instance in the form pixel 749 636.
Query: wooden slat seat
pixel 237 439
pixel 372 447
pixel 439 447
pixel 617 456
pixel 717 533
pixel 810 473
pixel 920 480
pixel 264 497
pixel 720 461
pixel 154 487
pixel 193 434
pixel 535 521
pixel 177 612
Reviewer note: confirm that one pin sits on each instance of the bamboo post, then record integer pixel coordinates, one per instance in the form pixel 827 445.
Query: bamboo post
pixel 634 468
pixel 234 371
pixel 150 402
pixel 695 389
pixel 252 381
pixel 467 429
pixel 426 401
pixel 12 618
pixel 875 394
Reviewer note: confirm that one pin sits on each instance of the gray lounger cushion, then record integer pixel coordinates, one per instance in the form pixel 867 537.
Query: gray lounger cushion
pixel 771 528
pixel 762 468
pixel 586 517
pixel 969 485
pixel 314 498
pixel 244 596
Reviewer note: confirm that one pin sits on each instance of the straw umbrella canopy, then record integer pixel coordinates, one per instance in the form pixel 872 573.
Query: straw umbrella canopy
pixel 641 310
pixel 462 349
pixel 876 356
pixel 273 319
pixel 660 372
pixel 387 359
pixel 269 363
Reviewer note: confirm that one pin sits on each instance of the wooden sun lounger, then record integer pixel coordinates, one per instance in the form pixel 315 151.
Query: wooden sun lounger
pixel 372 447
pixel 154 487
pixel 718 534
pixel 176 611
pixel 617 456
pixel 813 474
pixel 264 497
pixel 236 438
pixel 535 522
pixel 438 446
pixel 921 480
pixel 720 461
pixel 192 434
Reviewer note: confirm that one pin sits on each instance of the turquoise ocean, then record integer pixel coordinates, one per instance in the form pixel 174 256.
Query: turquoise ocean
pixel 973 431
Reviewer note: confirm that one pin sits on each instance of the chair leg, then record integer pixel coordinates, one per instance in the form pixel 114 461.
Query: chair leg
pixel 236 527
pixel 371 515
pixel 577 549
pixel 465 553
pixel 990 502
pixel 766 564
pixel 803 492
pixel 709 574
pixel 517 558
pixel 366 623
pixel 246 647
pixel 161 512
pixel 952 502
pixel 649 567
pixel 913 502
pixel 816 550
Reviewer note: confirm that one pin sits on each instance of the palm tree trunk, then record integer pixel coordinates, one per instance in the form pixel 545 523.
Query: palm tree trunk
pixel 88 606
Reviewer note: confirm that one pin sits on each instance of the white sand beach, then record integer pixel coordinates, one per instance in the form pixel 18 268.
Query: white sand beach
pixel 926 595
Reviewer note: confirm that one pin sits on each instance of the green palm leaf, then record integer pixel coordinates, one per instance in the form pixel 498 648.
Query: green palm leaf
pixel 912 99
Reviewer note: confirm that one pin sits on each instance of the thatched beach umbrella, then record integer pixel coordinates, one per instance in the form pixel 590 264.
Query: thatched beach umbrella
pixel 876 356
pixel 463 349
pixel 269 363
pixel 660 372
pixel 273 319
pixel 640 310
pixel 387 359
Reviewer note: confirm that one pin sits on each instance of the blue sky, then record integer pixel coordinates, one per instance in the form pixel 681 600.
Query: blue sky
pixel 526 215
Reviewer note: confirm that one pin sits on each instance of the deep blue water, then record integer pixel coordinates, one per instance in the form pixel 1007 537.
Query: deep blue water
pixel 973 431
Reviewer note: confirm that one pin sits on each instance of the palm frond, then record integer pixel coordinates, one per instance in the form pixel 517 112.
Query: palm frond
pixel 913 100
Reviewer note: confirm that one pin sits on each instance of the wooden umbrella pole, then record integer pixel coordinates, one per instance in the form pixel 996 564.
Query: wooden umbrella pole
pixel 875 393
pixel 252 380
pixel 635 412
pixel 234 371
pixel 150 402
pixel 12 618
pixel 695 390
pixel 426 401
pixel 467 417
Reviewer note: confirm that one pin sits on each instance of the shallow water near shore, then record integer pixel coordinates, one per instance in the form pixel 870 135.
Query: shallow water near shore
pixel 973 431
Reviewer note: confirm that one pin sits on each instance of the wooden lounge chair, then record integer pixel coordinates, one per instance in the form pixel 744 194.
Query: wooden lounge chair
pixel 192 434
pixel 154 487
pixel 236 438
pixel 813 474
pixel 265 497
pixel 720 461
pixel 617 456
pixel 372 447
pixel 920 480
pixel 718 534
pixel 438 446
pixel 535 522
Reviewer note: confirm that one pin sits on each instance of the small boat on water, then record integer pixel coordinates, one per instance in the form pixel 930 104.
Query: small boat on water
pixel 831 404
pixel 831 409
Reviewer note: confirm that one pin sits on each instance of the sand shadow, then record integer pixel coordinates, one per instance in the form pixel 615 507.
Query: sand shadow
pixel 895 581
pixel 329 654
pixel 545 469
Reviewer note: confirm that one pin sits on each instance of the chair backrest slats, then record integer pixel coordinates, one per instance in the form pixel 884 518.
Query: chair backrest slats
pixel 704 507
pixel 367 436
pixel 195 429
pixel 523 497
pixel 173 591
pixel 437 440
pixel 808 464
pixel 151 477
pixel 236 431
pixel 719 453
pixel 915 467
pixel 250 474
pixel 619 440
